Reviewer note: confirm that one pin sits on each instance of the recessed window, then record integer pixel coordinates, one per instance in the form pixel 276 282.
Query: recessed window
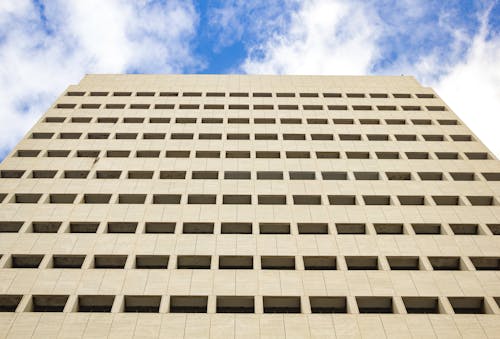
pixel 48 303
pixel 67 261
pixel 334 175
pixel 236 228
pixel 96 198
pixel 122 227
pixel 445 263
pixel 377 199
pixel 405 137
pixel 430 176
pixel 210 136
pixel 99 94
pixel 66 106
pixel 188 304
pixel 237 154
pixel 235 304
pixel 40 135
pixel 337 107
pixel 164 106
pixel 10 226
pixel 108 174
pixel 212 120
pixel 110 106
pixel 117 154
pixel 357 155
pixel 202 199
pixel 262 136
pixel 237 175
pixel 350 228
pixel 321 136
pixel 181 136
pixel 153 262
pixel 208 154
pixel 194 262
pixel 236 262
pixel 159 120
pixel 131 198
pixel 433 137
pixel 481 200
pixel 342 199
pixel 58 153
pixel 168 199
pixel 267 154
pixel 269 175
pixel 26 198
pixel 361 262
pixel 435 108
pixel 45 226
pixel 328 155
pixel 97 135
pixel 312 228
pixel 198 228
pixel 160 227
pixel 417 155
pixel 464 229
pixel 40 174
pixel 422 305
pixel 277 262
pixel 350 136
pixel 467 305
pixel 68 135
pixel 140 174
pixel 387 155
pixel 448 122
pixel 62 198
pixel 154 136
pixel 369 121
pixel 148 154
pixel 317 121
pixel 447 200
pixel 83 227
pixel 427 228
pixel 11 174
pixel 366 176
pixel 375 304
pixel 142 303
pixel 320 263
pixel 95 303
pixel 328 304
pixel 494 228
pixel 491 176
pixel 177 154
pixel 205 175
pixel 262 95
pixel 386 108
pixel 285 95
pixel 87 154
pixel 398 175
pixel 280 304
pixel 306 199
pixel 411 108
pixel 447 155
pixel 411 200
pixel 403 263
pixel 389 228
pixel 169 94
pixel 477 155
pixel 297 155
pixel 26 260
pixel 238 121
pixel 332 95
pixel 9 302
pixel 27 153
pixel 271 199
pixel 486 263
pixel 215 94
pixel 274 228
pixel 236 199
pixel 421 121
pixel 110 261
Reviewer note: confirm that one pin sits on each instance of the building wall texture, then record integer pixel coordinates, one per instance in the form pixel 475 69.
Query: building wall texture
pixel 249 206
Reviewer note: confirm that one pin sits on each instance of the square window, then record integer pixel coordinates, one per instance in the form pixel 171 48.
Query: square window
pixel 235 304
pixel 279 304
pixel 328 304
pixel 188 304
pixel 375 304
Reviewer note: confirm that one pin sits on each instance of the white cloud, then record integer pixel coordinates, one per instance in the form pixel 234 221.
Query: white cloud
pixel 472 87
pixel 41 54
pixel 349 38
pixel 324 37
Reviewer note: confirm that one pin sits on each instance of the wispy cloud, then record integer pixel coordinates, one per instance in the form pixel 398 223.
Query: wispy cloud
pixel 453 48
pixel 46 45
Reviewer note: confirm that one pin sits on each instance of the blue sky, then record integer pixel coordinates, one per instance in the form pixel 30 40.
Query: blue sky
pixel 453 46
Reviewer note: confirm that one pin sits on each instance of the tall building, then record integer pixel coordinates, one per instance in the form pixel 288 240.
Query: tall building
pixel 249 206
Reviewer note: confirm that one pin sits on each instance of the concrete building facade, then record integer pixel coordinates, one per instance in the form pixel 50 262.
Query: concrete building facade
pixel 249 206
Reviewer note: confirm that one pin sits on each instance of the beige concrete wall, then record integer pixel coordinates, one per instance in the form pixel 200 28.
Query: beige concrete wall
pixel 464 170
